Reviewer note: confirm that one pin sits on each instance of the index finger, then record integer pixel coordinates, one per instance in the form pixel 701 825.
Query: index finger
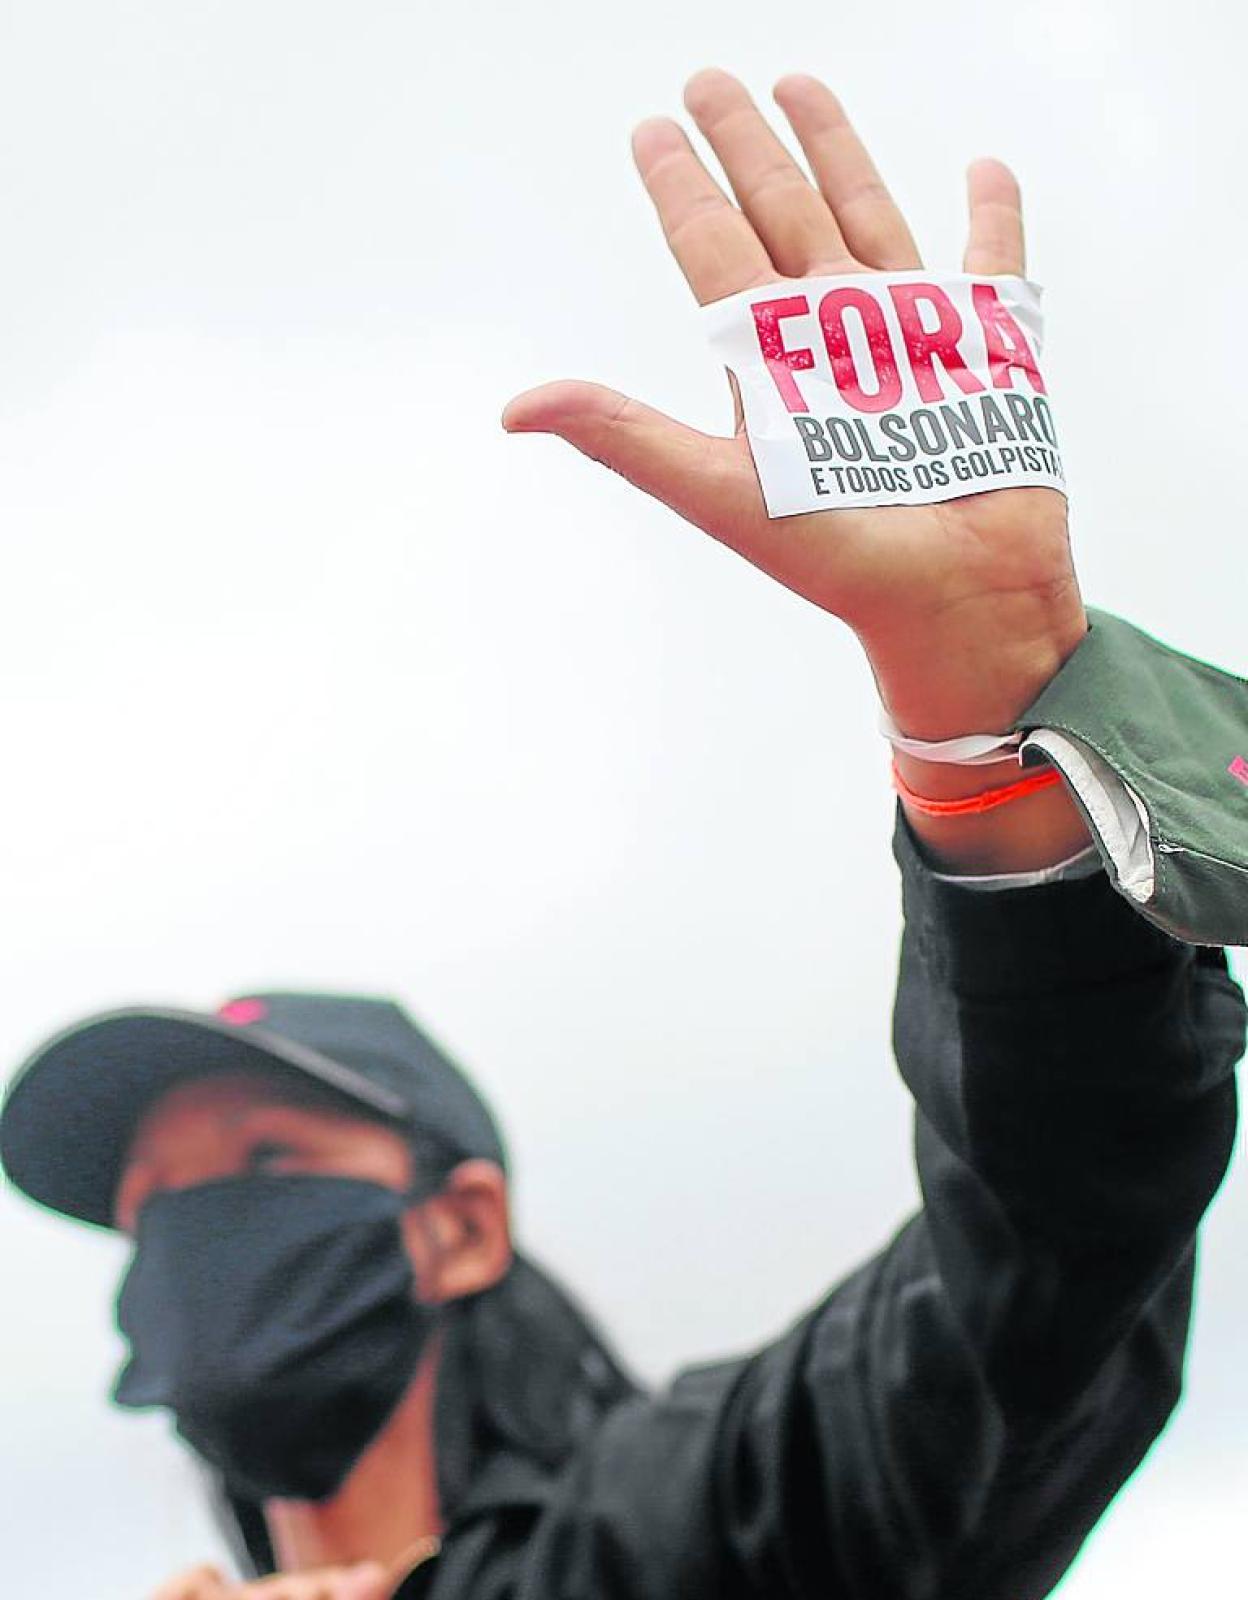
pixel 715 246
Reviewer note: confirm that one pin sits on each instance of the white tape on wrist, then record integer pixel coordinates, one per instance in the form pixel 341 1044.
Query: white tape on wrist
pixel 889 388
pixel 971 750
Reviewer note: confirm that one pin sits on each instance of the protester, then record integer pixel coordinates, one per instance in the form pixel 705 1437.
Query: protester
pixel 323 1289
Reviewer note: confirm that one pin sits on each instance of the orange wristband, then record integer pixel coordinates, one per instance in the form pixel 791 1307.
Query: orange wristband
pixel 973 805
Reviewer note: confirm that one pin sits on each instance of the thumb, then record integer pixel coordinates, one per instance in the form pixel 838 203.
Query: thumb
pixel 709 481
pixel 367 1581
pixel 199 1583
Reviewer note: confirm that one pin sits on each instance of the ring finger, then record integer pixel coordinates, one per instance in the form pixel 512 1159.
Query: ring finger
pixel 868 216
pixel 791 218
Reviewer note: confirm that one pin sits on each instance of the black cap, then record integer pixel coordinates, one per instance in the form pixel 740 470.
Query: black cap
pixel 72 1110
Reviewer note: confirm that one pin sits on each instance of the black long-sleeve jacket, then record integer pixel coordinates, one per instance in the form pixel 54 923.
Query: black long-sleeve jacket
pixel 951 1420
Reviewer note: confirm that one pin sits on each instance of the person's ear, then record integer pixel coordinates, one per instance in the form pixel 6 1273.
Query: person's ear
pixel 459 1240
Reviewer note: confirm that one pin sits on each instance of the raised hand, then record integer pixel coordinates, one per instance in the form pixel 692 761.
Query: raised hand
pixel 966 607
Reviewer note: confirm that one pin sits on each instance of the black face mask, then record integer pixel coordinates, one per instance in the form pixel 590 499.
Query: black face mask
pixel 277 1319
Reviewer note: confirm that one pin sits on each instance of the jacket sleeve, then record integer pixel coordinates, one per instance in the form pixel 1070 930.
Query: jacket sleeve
pixel 952 1420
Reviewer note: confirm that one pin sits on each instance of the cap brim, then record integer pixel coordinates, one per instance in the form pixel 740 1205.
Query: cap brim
pixel 72 1110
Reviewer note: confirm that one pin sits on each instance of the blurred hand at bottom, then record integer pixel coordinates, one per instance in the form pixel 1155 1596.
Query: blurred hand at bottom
pixel 367 1581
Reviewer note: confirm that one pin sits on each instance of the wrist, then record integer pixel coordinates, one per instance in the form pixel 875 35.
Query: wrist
pixel 1037 830
pixel 974 666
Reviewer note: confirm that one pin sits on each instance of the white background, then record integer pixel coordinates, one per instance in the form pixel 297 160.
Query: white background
pixel 311 677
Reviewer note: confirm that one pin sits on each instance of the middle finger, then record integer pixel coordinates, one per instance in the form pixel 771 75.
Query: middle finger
pixel 791 218
pixel 719 253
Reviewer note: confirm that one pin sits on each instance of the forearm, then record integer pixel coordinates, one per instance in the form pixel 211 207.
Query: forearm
pixel 1074 1066
pixel 956 1415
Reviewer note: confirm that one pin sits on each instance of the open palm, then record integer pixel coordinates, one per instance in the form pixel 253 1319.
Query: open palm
pixel 909 579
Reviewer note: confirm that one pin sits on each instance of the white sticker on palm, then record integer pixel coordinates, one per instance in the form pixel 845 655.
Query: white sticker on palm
pixel 889 388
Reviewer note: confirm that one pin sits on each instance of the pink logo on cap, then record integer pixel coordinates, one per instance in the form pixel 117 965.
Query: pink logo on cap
pixel 243 1011
pixel 1239 769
